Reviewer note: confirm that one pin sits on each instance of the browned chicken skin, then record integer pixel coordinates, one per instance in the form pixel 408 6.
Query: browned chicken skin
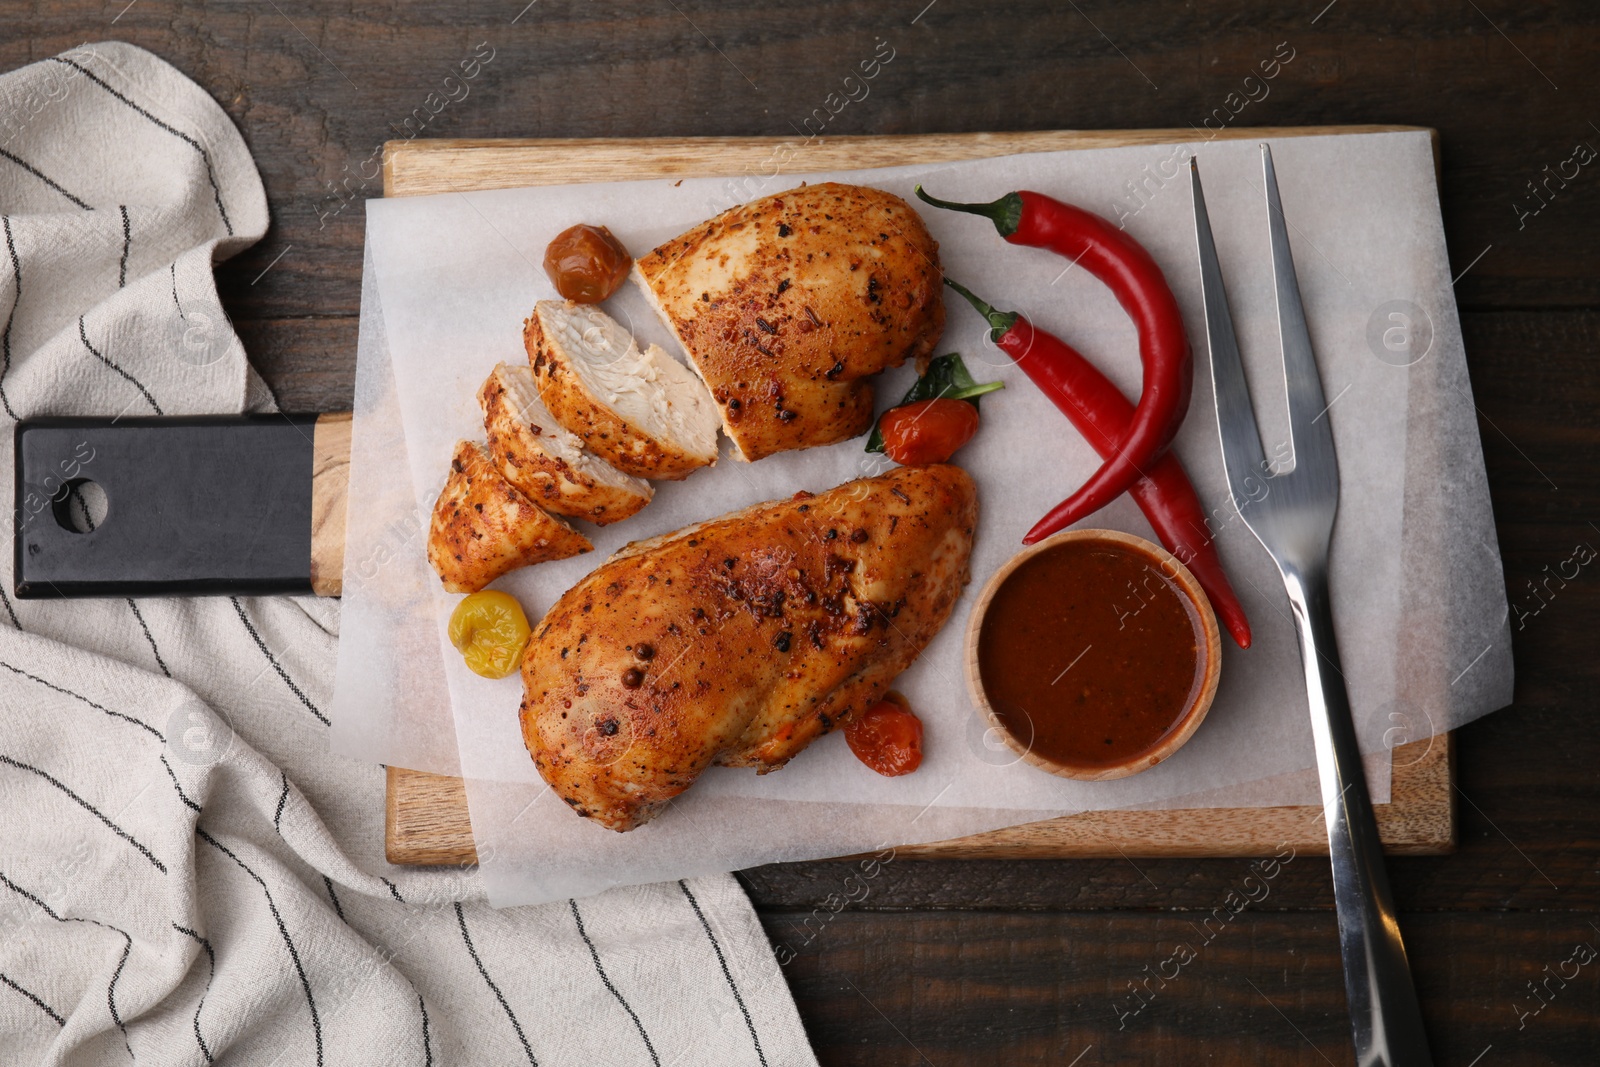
pixel 740 640
pixel 483 526
pixel 788 304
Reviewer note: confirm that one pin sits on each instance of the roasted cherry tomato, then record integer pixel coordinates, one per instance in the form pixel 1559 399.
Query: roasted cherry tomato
pixel 928 431
pixel 586 263
pixel 491 631
pixel 888 738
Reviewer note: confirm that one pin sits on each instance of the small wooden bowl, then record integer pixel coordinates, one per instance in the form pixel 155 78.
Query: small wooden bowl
pixel 1210 657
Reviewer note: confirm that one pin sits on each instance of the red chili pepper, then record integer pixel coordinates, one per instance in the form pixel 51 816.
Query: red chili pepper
pixel 1102 414
pixel 1120 262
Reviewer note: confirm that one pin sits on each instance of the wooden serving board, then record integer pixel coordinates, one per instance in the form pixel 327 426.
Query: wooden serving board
pixel 427 819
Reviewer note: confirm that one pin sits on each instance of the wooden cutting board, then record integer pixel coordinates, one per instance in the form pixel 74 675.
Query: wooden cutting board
pixel 427 819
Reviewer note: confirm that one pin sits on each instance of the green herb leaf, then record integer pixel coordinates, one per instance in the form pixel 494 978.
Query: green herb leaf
pixel 947 379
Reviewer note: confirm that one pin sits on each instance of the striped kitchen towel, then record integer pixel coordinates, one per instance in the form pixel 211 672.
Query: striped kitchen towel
pixel 186 873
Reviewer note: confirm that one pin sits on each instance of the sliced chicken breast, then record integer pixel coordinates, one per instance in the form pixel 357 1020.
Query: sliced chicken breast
pixel 483 526
pixel 639 410
pixel 789 304
pixel 547 462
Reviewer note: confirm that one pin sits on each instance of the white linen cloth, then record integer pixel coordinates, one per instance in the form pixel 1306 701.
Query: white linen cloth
pixel 186 873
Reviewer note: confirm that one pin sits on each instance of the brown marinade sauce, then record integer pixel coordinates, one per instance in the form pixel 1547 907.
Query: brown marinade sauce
pixel 1090 650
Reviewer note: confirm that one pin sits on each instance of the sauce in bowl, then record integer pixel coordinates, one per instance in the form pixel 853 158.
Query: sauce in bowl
pixel 1095 654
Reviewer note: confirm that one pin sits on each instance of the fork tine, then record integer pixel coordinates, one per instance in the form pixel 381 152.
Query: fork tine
pixel 1242 456
pixel 1308 408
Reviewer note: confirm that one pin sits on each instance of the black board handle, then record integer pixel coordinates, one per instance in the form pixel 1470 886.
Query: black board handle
pixel 194 506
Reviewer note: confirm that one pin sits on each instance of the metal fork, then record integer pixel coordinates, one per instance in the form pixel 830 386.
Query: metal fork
pixel 1293 520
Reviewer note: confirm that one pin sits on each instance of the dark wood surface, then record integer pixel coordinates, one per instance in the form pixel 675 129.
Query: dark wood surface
pixel 947 962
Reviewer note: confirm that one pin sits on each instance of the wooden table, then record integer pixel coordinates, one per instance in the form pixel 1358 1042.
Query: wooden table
pixel 945 961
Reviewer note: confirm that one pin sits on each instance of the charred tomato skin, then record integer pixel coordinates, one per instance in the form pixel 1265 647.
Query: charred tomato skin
pixel 928 431
pixel 887 738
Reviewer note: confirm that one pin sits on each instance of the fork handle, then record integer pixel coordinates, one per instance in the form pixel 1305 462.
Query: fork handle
pixel 1384 1011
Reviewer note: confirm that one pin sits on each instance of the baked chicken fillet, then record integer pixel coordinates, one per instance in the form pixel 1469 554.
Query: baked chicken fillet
pixel 640 410
pixel 483 526
pixel 789 304
pixel 547 462
pixel 741 640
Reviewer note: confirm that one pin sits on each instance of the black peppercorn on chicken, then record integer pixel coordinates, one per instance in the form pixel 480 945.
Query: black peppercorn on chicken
pixel 740 640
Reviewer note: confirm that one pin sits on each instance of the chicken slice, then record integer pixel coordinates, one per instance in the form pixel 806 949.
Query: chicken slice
pixel 483 526
pixel 740 640
pixel 641 411
pixel 547 462
pixel 789 304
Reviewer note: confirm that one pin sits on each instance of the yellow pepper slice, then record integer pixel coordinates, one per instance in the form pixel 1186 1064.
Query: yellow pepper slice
pixel 490 631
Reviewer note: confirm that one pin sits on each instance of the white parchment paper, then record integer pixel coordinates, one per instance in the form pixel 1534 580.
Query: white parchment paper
pixel 390 701
pixel 456 274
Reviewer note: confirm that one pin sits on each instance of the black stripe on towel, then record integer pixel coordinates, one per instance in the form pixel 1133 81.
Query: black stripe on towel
pixel 204 155
pixel 722 960
pixel 37 900
pixel 83 334
pixel 606 979
pixel 337 910
pixel 111 993
pixel 461 919
pixel 393 892
pixel 5 339
pixel 212 956
pixel 37 173
pixel 294 953
pixel 47 1009
pixel 181 794
pixel 140 616
pixel 90 808
pixel 127 243
pixel 283 798
pixel 127 948
pixel 427 1042
pixel 75 496
pixel 146 727
pixel 262 645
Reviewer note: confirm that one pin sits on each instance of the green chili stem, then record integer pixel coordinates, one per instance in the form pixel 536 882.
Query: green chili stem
pixel 1005 213
pixel 999 321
